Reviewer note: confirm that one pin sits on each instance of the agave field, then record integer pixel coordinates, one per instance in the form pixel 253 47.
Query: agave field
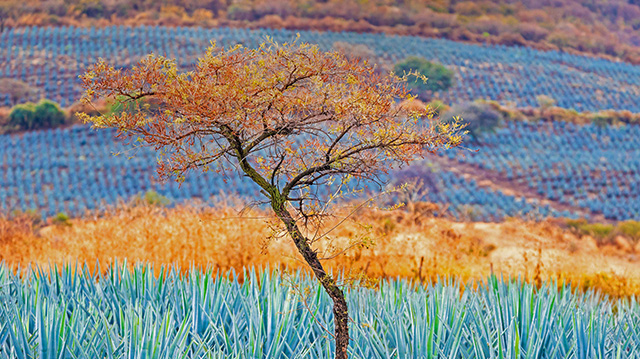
pixel 596 168
pixel 52 58
pixel 590 168
pixel 78 169
pixel 118 313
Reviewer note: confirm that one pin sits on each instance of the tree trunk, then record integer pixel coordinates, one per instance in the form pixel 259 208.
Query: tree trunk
pixel 340 312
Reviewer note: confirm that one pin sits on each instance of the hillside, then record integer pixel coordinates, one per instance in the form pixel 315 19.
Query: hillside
pixel 50 60
pixel 527 168
pixel 610 29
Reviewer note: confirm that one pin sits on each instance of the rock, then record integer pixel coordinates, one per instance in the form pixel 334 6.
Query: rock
pixel 46 231
pixel 622 243
pixel 589 243
pixel 636 248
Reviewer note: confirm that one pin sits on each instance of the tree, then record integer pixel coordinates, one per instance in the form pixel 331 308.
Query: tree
pixel 290 117
pixel 479 117
pixel 438 77
pixel 7 11
pixel 16 89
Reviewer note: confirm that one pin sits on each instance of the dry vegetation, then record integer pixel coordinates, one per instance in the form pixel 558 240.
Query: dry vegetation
pixel 409 244
pixel 606 28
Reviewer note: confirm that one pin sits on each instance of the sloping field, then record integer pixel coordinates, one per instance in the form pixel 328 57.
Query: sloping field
pixel 560 169
pixel 122 314
pixel 589 169
pixel 52 58
pixel 73 170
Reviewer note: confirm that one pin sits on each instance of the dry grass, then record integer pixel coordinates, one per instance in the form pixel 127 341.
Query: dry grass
pixel 411 245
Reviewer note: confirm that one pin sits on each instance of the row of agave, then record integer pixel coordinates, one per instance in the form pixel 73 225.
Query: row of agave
pixel 122 313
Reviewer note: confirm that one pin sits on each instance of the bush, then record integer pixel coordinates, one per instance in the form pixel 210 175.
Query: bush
pixel 479 116
pixel 439 78
pixel 23 116
pixel 153 198
pixel 49 114
pixel 92 8
pixel 629 229
pixel 45 114
pixel 601 232
pixel 61 219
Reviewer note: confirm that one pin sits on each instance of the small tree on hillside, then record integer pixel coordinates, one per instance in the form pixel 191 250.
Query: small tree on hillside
pixel 480 117
pixel 289 117
pixel 16 89
pixel 355 51
pixel 438 77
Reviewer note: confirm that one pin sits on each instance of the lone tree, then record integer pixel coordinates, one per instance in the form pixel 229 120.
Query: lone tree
pixel 16 89
pixel 288 116
pixel 439 78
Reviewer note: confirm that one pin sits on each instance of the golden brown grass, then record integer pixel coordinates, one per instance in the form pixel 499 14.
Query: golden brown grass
pixel 406 244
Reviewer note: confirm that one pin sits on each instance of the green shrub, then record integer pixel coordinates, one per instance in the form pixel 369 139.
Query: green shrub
pixel 23 116
pixel 61 219
pixel 92 8
pixel 439 78
pixel 49 114
pixel 599 231
pixel 29 116
pixel 629 229
pixel 576 224
pixel 153 198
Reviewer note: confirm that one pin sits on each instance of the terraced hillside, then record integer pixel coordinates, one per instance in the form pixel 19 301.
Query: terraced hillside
pixel 558 169
pixel 537 170
pixel 52 58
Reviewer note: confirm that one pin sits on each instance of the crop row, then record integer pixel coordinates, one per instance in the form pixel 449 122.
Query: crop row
pixel 77 169
pixel 129 314
pixel 51 59
pixel 596 168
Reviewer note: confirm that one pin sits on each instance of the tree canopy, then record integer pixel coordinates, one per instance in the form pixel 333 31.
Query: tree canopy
pixel 438 77
pixel 288 116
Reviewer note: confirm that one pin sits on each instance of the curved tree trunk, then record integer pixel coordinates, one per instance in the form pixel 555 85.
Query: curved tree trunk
pixel 340 312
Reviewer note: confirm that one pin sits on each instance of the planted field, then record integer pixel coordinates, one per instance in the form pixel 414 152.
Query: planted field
pixel 593 168
pixel 52 58
pixel 73 170
pixel 562 170
pixel 585 170
pixel 122 314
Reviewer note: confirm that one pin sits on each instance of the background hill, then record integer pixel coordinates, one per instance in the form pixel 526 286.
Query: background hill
pixel 606 28
pixel 569 165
